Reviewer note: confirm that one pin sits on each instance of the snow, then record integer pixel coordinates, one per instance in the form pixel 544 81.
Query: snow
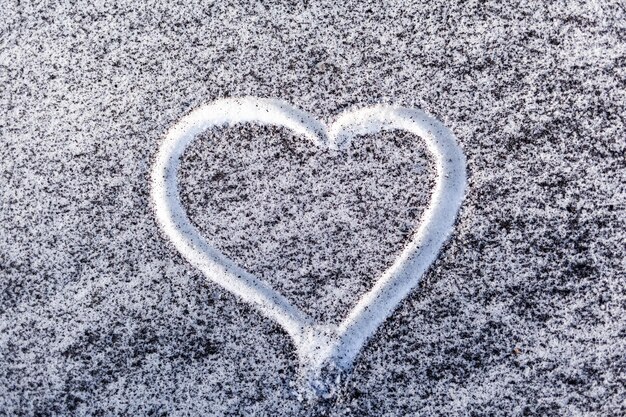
pixel 522 312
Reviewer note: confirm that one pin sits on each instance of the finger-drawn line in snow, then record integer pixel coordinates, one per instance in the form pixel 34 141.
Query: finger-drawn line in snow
pixel 318 345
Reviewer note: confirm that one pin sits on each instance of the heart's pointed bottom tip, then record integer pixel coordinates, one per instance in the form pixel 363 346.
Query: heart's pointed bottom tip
pixel 320 382
pixel 321 365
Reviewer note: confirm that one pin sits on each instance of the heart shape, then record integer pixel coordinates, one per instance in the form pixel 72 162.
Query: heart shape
pixel 318 345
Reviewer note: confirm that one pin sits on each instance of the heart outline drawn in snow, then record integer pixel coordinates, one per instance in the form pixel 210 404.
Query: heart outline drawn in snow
pixel 318 345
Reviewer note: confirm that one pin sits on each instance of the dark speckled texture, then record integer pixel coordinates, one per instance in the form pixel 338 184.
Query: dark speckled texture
pixel 320 226
pixel 524 312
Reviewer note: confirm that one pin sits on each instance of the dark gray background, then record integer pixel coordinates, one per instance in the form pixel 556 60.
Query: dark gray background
pixel 524 313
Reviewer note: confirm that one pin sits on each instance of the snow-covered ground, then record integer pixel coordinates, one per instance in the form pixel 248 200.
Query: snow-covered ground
pixel 523 313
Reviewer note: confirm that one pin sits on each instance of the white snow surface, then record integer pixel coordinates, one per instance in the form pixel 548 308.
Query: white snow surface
pixel 523 311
